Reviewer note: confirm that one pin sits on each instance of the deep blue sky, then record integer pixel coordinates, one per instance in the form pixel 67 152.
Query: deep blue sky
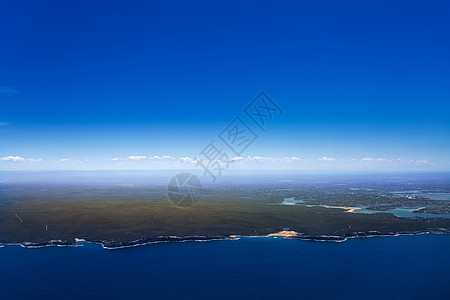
pixel 98 80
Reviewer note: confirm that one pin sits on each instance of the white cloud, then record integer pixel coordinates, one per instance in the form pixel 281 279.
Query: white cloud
pixel 155 157
pixel 293 159
pixel 167 160
pixel 12 158
pixel 260 159
pixel 64 159
pixel 35 160
pixel 375 159
pixel 325 158
pixel 186 159
pixel 18 158
pixel 239 162
pixel 167 157
pixel 397 160
pixel 137 157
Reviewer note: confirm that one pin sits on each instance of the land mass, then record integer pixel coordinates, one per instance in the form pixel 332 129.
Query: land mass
pixel 130 223
pixel 125 215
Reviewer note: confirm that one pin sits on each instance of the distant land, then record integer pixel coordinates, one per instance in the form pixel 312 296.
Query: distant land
pixel 124 209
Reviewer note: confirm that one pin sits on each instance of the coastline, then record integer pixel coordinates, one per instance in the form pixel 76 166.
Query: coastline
pixel 174 239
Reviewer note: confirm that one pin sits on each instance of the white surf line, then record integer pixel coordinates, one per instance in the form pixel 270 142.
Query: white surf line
pixel 21 221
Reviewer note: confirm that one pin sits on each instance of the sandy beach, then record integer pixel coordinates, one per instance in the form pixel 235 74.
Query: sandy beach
pixel 350 209
pixel 286 233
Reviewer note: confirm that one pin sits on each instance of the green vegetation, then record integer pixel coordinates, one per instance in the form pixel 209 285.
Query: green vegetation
pixel 119 220
pixel 122 209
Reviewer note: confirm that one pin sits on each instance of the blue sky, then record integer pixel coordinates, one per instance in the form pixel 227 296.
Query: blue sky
pixel 363 85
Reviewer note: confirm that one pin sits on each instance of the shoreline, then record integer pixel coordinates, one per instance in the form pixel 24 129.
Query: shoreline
pixel 173 239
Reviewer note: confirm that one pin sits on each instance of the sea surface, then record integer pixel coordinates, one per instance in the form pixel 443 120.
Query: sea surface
pixel 428 195
pixel 402 267
pixel 404 212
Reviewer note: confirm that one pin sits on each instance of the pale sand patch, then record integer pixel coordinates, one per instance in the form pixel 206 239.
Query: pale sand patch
pixel 285 233
pixel 347 208
pixel 350 209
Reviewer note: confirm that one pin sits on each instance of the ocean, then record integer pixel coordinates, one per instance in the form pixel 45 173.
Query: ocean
pixel 402 267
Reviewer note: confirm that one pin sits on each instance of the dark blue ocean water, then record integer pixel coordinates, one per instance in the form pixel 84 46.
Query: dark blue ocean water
pixel 404 267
